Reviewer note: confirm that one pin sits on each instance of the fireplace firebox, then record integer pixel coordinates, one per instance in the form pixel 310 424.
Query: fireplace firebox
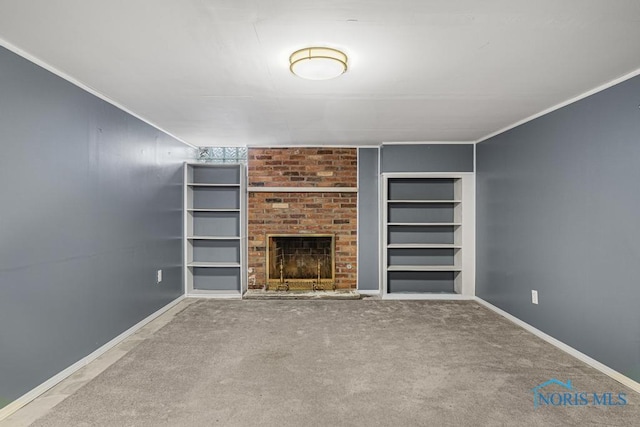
pixel 300 262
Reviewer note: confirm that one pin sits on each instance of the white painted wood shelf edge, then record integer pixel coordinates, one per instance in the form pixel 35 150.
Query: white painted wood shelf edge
pixel 424 201
pixel 213 237
pixel 423 246
pixel 214 210
pixel 214 264
pixel 413 224
pixel 196 184
pixel 423 268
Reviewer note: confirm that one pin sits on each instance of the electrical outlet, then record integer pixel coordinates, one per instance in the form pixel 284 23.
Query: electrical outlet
pixel 534 297
pixel 159 276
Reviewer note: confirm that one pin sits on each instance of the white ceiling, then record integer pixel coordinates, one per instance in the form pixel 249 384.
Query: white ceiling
pixel 215 72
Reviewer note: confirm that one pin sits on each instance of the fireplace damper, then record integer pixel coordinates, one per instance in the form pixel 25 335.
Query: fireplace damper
pixel 300 261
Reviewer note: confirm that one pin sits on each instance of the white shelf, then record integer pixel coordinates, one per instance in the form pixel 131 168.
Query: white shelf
pixel 423 246
pixel 413 224
pixel 209 264
pixel 423 268
pixel 213 238
pixel 213 210
pixel 194 184
pixel 424 201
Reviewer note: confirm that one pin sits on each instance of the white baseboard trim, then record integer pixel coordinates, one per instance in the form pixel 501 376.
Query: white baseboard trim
pixel 368 291
pixel 421 296
pixel 623 379
pixel 31 395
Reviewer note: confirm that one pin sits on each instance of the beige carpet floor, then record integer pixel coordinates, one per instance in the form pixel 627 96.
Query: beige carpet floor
pixel 339 363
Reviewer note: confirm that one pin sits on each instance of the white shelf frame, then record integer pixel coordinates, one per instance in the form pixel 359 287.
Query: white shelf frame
pixel 453 268
pixel 188 239
pixel 212 210
pixel 196 184
pixel 213 264
pixel 442 202
pixel 429 224
pixel 214 238
pixel 463 246
pixel 423 246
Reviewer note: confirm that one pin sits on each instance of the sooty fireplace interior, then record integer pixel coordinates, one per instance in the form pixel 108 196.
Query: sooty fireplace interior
pixel 300 261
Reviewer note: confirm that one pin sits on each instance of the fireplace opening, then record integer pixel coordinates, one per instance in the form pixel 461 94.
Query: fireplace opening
pixel 300 261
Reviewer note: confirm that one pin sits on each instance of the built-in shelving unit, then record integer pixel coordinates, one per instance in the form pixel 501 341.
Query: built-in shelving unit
pixel 215 230
pixel 423 238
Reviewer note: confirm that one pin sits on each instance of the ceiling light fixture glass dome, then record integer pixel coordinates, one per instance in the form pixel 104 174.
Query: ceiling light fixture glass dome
pixel 318 63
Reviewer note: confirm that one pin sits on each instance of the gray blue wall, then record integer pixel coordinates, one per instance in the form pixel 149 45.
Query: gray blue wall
pixel 368 221
pixel 558 207
pixel 427 158
pixel 91 203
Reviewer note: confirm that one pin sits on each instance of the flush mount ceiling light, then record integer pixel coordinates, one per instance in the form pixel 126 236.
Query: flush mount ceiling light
pixel 318 63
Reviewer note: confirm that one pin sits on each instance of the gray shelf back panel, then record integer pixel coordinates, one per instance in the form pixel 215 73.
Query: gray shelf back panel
pixel 216 279
pixel 412 212
pixel 421 281
pixel 421 234
pixel 216 198
pixel 421 189
pixel 223 224
pixel 216 250
pixel 421 256
pixel 216 175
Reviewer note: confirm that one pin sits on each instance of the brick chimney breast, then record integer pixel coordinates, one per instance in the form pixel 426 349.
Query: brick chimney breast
pixel 303 212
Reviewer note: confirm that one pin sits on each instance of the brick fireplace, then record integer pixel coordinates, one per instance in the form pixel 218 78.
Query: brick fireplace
pixel 303 191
